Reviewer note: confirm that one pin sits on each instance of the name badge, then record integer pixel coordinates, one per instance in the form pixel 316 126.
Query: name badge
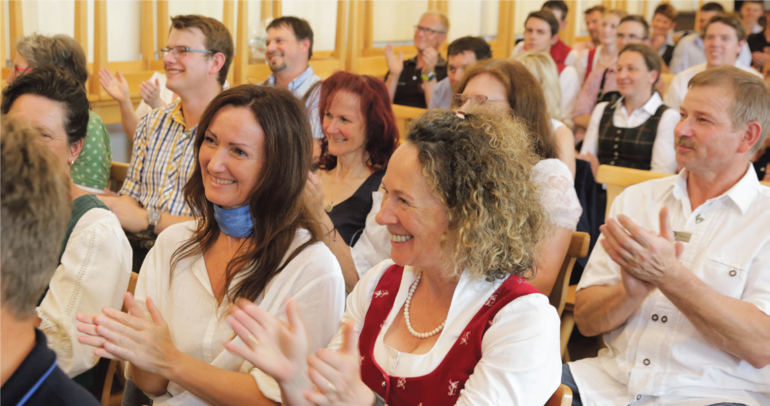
pixel 682 236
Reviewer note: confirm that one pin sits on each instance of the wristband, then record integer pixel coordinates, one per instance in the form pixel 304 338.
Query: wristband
pixel 427 78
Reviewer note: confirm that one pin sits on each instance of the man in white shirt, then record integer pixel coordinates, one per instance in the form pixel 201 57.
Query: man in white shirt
pixel 724 37
pixel 289 49
pixel 680 284
pixel 689 51
pixel 540 32
pixel 462 53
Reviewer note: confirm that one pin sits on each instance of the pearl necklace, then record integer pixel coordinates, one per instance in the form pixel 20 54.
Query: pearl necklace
pixel 406 313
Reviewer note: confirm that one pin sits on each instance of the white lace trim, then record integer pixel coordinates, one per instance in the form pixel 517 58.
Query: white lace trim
pixel 557 195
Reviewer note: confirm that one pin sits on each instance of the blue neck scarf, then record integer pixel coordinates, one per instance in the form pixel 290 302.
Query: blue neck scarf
pixel 234 222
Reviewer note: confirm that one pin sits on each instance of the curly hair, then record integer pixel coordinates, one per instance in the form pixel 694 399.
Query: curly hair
pixel 381 127
pixel 479 167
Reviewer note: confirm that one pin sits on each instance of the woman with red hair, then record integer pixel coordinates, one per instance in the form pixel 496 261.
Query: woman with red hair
pixel 361 135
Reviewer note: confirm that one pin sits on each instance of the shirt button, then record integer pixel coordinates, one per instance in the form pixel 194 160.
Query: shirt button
pixel 615 146
pixel 617 138
pixel 612 163
pixel 638 397
pixel 664 319
pixel 654 317
pixel 383 384
pixel 616 153
pixel 618 132
pixel 646 362
pixel 733 272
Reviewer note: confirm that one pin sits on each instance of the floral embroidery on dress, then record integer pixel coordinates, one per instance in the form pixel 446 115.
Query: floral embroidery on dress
pixel 464 338
pixel 401 384
pixel 360 360
pixel 491 300
pixel 380 293
pixel 453 387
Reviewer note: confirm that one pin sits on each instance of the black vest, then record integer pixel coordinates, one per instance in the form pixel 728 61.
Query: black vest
pixel 627 147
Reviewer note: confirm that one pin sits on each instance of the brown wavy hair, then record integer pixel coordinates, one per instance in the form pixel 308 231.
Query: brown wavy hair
pixel 525 96
pixel 480 167
pixel 276 204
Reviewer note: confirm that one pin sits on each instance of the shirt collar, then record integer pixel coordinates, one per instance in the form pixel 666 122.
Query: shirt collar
pixel 34 366
pixel 742 194
pixel 650 107
pixel 298 81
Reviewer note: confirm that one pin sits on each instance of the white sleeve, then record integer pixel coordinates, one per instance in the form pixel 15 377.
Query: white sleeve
pixel 581 65
pixel 313 104
pixel 570 86
pixel 663 152
pixel 373 246
pixel 557 193
pixel 676 92
pixel 591 140
pixel 744 57
pixel 520 362
pixel 571 58
pixel 93 274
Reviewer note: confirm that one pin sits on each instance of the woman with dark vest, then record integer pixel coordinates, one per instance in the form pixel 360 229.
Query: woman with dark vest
pixel 638 130
pixel 450 320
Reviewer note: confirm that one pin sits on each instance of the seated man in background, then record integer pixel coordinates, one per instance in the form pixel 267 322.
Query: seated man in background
pixel 92 171
pixel 723 38
pixel 690 50
pixel 199 52
pixel 593 19
pixel 680 284
pixel 462 53
pixel 411 82
pixel 540 32
pixel 289 49
pixel 35 202
pixel 559 50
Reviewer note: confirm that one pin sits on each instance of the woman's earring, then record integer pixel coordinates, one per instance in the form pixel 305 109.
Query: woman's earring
pixel 69 162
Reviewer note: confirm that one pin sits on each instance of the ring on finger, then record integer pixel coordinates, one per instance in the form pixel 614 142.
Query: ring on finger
pixel 253 339
pixel 331 387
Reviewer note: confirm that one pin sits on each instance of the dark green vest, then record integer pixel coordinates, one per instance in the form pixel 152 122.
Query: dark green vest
pixel 627 147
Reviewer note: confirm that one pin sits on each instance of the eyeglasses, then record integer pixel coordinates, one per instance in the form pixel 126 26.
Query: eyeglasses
pixel 630 37
pixel 427 31
pixel 459 100
pixel 182 51
pixel 19 70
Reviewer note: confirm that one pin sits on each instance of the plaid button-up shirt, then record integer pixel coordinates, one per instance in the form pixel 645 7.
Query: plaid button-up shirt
pixel 162 161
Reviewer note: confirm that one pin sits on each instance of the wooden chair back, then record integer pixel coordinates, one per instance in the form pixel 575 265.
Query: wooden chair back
pixel 107 388
pixel 118 172
pixel 617 179
pixel 578 248
pixel 562 397
pixel 404 116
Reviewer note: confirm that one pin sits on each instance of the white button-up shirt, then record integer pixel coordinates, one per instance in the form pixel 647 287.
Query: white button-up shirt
pixel 197 322
pixel 678 87
pixel 658 357
pixel 570 86
pixel 663 153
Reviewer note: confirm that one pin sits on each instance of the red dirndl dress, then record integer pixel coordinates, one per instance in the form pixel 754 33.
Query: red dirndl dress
pixel 443 385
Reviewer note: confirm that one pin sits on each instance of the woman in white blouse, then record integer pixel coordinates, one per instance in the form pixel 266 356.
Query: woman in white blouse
pixel 255 240
pixel 95 259
pixel 638 130
pixel 450 320
pixel 510 86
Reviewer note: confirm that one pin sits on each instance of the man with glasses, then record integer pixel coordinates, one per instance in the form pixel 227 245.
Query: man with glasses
pixel 724 37
pixel 199 52
pixel 411 82
pixel 289 49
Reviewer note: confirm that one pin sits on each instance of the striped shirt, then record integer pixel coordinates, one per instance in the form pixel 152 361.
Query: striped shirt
pixel 299 87
pixel 162 161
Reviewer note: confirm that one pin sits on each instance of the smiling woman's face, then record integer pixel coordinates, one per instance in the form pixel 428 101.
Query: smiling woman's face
pixel 231 157
pixel 47 117
pixel 415 218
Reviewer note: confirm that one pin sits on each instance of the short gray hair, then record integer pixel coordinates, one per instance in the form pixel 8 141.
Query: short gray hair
pixel 36 208
pixel 441 16
pixel 60 51
pixel 751 99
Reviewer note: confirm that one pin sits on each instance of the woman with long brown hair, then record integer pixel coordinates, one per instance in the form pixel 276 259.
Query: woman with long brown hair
pixel 510 87
pixel 254 239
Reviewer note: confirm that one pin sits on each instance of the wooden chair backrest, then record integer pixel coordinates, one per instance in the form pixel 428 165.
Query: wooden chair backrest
pixel 107 388
pixel 617 179
pixel 578 248
pixel 562 397
pixel 404 116
pixel 118 172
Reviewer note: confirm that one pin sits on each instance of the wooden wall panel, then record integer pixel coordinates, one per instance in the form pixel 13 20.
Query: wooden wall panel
pixel 163 23
pixel 100 42
pixel 16 24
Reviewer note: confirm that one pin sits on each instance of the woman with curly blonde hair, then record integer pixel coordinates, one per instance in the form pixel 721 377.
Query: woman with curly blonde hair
pixel 451 311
